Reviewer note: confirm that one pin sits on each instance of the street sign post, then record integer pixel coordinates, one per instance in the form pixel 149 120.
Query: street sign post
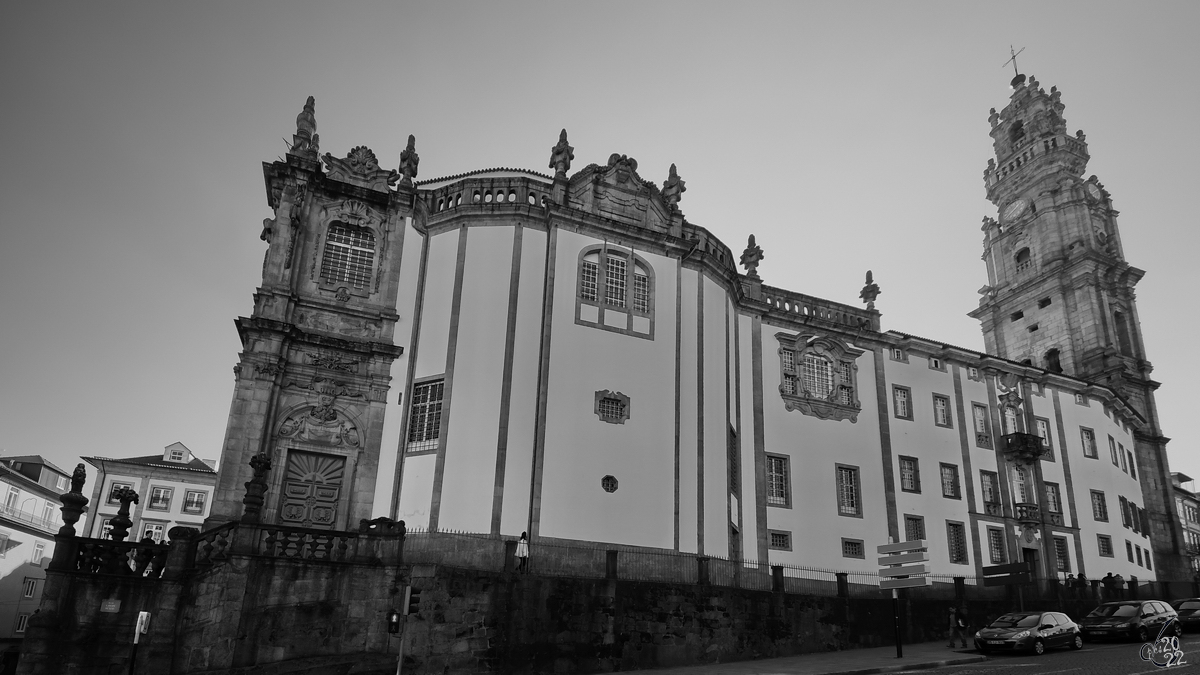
pixel 1014 574
pixel 899 572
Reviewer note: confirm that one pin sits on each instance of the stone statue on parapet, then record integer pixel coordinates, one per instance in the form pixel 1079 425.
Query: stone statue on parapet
pixel 673 189
pixel 561 155
pixel 306 142
pixel 78 478
pixel 409 159
pixel 751 256
pixel 870 291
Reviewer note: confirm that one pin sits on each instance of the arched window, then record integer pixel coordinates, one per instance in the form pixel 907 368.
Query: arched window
pixel 1052 361
pixel 615 291
pixel 1023 260
pixel 349 255
pixel 818 376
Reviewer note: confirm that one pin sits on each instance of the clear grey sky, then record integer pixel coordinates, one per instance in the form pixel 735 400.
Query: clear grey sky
pixel 847 136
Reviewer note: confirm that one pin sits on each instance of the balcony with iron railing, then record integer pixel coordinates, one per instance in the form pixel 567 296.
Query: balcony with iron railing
pixel 13 513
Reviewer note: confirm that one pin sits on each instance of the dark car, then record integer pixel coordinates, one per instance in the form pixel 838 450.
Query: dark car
pixel 1032 631
pixel 1140 620
pixel 1188 610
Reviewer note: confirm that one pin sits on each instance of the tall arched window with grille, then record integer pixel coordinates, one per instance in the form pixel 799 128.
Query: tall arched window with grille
pixel 615 291
pixel 349 255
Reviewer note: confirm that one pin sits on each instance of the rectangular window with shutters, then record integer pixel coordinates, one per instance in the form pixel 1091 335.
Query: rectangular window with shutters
pixel 1043 431
pixel 983 437
pixel 848 492
pixel 778 481
pixel 1132 467
pixel 1062 557
pixel 914 527
pixel 1088 437
pixel 996 548
pixel 902 402
pixel 1129 549
pixel 989 485
pixel 956 542
pixel 1112 450
pixel 1124 510
pixel 910 474
pixel 1121 454
pixel 941 411
pixel 425 416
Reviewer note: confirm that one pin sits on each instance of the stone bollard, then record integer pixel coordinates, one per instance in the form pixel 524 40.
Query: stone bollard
pixel 843 584
pixel 510 555
pixel 610 565
pixel 777 578
pixel 702 569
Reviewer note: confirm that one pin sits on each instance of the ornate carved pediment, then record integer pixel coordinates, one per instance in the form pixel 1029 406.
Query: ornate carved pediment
pixel 354 212
pixel 819 376
pixel 322 423
pixel 617 191
pixel 361 168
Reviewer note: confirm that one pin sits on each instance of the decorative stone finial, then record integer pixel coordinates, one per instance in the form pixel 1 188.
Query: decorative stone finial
pixel 994 118
pixel 561 155
pixel 751 257
pixel 256 487
pixel 409 159
pixel 306 142
pixel 673 189
pixel 870 291
pixel 121 522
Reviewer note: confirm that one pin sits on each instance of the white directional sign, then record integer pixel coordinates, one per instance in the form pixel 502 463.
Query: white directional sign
pixel 897 568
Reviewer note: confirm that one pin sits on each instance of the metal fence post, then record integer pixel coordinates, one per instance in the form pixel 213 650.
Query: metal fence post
pixel 960 588
pixel 610 565
pixel 843 585
pixel 777 578
pixel 702 569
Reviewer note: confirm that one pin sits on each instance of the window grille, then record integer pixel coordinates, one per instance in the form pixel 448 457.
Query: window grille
pixel 611 409
pixel 641 292
pixel 781 540
pixel 589 280
pixel 1099 506
pixel 777 480
pixel 910 477
pixel 349 255
pixel 853 548
pixel 614 281
pixel 956 540
pixel 950 481
pixel 789 371
pixel 914 528
pixel 996 545
pixel 847 485
pixel 818 376
pixel 425 417
pixel 847 384
pixel 1061 557
pixel 1104 543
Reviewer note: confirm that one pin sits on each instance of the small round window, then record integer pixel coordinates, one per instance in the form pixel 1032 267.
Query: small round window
pixel 609 483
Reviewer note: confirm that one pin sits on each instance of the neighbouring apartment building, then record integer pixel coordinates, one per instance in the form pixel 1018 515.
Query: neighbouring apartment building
pixel 174 488
pixel 568 355
pixel 1187 504
pixel 29 517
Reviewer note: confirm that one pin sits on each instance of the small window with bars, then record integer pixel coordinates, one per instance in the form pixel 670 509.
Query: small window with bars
pixel 979 413
pixel 641 292
pixel 996 547
pixel 956 541
pixel 1088 438
pixel 1062 558
pixel 425 416
pixel 950 487
pixel 846 387
pixel 1099 506
pixel 22 623
pixel 789 371
pixel 779 540
pixel 778 492
pixel 30 587
pixel 853 548
pixel 611 409
pixel 910 474
pixel 914 527
pixel 349 255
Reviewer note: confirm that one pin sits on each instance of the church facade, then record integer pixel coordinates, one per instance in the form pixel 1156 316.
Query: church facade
pixel 568 356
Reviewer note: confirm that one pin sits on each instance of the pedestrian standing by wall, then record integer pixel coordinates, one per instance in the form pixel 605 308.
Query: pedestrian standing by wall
pixel 523 553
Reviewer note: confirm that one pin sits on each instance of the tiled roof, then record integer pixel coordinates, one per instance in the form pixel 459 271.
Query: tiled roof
pixel 157 462
pixel 35 459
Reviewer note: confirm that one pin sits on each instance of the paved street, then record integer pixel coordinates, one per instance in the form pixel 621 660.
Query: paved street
pixel 1094 659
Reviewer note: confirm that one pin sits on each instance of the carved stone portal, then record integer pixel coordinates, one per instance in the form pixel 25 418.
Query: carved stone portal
pixel 312 487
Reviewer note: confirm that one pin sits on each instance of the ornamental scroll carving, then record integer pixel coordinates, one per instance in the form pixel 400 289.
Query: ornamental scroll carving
pixel 360 167
pixel 322 423
pixel 337 324
pixel 334 362
pixel 819 376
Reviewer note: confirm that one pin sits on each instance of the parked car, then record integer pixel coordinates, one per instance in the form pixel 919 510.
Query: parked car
pixel 1032 631
pixel 1188 610
pixel 1139 620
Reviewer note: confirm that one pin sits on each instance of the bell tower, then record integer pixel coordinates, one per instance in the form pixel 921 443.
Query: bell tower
pixel 1060 294
pixel 313 376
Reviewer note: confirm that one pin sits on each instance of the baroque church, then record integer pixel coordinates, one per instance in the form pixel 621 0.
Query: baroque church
pixel 569 356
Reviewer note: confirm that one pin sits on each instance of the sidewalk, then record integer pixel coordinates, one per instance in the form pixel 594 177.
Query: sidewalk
pixel 849 662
